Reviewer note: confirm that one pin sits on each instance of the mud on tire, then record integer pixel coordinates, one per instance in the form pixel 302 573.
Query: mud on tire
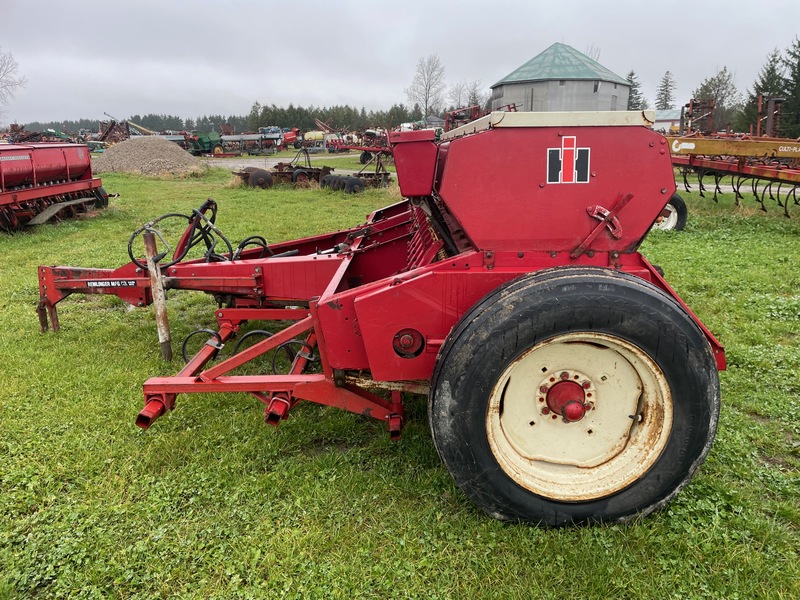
pixel 574 395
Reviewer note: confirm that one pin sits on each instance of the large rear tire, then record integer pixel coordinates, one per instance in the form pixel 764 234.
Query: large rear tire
pixel 574 395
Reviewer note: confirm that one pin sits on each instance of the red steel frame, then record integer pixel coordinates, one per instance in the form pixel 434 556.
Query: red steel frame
pixel 377 301
pixel 769 171
pixel 34 177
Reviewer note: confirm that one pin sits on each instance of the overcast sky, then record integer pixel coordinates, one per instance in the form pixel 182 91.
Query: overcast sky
pixel 201 57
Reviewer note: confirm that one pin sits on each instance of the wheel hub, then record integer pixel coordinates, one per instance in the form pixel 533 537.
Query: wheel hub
pixel 567 398
pixel 559 429
pixel 568 394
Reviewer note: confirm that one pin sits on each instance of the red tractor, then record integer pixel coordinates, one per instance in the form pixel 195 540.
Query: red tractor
pixel 567 382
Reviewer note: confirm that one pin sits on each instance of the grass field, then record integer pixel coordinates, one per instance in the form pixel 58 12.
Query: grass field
pixel 212 503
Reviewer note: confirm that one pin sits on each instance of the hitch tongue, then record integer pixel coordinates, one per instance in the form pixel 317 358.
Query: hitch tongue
pixel 277 410
pixel 151 411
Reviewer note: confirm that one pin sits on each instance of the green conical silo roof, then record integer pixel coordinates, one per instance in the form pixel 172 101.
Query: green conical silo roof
pixel 560 61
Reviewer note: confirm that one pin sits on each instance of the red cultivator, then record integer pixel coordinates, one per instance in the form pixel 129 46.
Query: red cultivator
pixel 567 381
pixel 768 166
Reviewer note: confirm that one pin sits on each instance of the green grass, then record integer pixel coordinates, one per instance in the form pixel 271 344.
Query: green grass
pixel 212 503
pixel 349 162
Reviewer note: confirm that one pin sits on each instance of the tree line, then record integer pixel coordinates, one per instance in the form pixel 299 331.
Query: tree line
pixel 779 78
pixel 340 117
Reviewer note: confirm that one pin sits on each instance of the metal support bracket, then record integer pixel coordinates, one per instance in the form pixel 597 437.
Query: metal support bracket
pixel 608 219
pixel 604 216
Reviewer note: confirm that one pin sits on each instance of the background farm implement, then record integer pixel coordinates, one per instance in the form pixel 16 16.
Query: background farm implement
pixel 39 182
pixel 567 381
pixel 766 168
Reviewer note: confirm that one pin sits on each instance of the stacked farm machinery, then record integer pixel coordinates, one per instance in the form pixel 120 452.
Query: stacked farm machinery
pixel 767 169
pixel 567 381
pixel 759 164
pixel 39 182
pixel 298 171
pixel 266 140
pixel 461 116
pixel 373 145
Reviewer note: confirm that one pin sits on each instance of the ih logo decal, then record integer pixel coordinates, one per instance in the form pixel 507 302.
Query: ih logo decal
pixel 568 164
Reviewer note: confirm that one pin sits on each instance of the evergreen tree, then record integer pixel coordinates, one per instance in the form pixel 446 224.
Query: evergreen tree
pixel 769 83
pixel 397 114
pixel 721 88
pixel 253 117
pixel 636 101
pixel 790 112
pixel 665 92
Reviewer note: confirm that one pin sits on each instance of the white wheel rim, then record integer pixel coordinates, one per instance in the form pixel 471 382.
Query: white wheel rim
pixel 669 222
pixel 624 425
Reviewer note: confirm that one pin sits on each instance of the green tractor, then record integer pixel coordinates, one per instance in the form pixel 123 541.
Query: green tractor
pixel 204 143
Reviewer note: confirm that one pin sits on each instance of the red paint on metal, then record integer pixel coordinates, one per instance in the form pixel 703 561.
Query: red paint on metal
pixel 277 410
pixel 149 413
pixel 566 393
pixel 374 303
pixel 568 159
pixel 509 164
pixel 415 154
pixel 573 411
pixel 36 176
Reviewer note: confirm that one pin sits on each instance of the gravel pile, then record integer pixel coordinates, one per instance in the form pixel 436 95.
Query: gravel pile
pixel 146 156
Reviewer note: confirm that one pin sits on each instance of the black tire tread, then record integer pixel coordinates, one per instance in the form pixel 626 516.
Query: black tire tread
pixel 537 289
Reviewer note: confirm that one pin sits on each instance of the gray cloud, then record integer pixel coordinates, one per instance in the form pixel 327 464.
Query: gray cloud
pixel 199 57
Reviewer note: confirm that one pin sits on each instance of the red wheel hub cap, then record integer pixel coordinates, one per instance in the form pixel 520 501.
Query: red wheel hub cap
pixel 566 398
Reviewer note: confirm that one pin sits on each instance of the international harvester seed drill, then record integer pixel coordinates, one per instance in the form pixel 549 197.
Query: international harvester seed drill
pixel 567 382
pixel 39 182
